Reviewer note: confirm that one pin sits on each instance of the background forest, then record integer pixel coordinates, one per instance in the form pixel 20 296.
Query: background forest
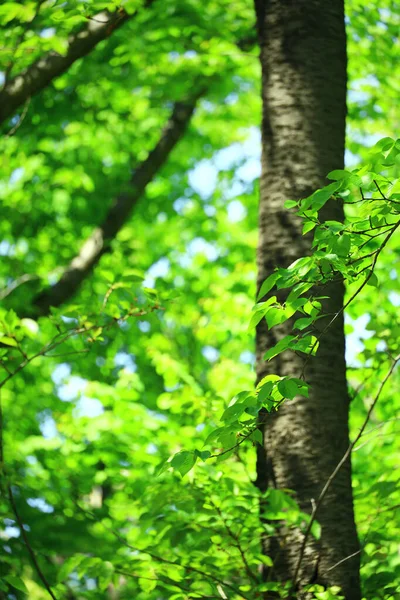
pixel 129 185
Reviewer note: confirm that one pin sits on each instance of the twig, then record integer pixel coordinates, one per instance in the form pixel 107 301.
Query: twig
pixel 379 190
pixel 52 344
pixel 381 425
pixel 62 354
pixel 395 507
pixel 238 545
pixel 344 560
pixel 350 300
pixel 63 336
pixel 337 469
pixel 162 559
pixel 21 119
pixel 168 580
pixel 28 545
pixel 5 367
pixel 19 281
pixel 98 243
pixel 186 567
pixel 244 438
pixel 41 73
pixel 378 435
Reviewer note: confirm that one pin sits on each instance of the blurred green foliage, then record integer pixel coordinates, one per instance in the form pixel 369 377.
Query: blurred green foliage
pixel 145 359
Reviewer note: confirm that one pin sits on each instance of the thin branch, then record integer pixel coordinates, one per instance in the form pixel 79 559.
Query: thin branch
pixel 161 559
pixel 243 439
pixel 72 353
pixel 100 240
pixel 378 435
pixel 4 366
pixel 342 461
pixel 237 544
pixel 20 118
pixel 38 75
pixel 380 426
pixel 344 560
pixel 63 336
pixel 162 579
pixel 188 568
pixel 379 190
pixel 52 344
pixel 16 283
pixel 358 291
pixel 28 545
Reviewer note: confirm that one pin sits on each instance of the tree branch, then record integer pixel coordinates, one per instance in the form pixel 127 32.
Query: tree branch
pixel 99 242
pixel 28 545
pixel 340 464
pixel 162 559
pixel 38 75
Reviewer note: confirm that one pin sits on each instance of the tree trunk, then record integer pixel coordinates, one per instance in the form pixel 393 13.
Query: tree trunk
pixel 303 59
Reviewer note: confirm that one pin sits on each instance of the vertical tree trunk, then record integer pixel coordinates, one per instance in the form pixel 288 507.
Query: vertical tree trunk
pixel 303 59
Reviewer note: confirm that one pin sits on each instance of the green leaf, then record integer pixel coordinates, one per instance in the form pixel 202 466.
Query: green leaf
pixel 16 583
pixel 256 317
pixel 302 266
pixel 259 311
pixel 288 388
pixel 265 391
pixel 338 174
pixel 68 566
pixel 213 436
pixel 228 438
pixel 268 285
pixel 290 204
pixel 384 144
pixel 147 584
pixel 316 530
pixel 105 574
pixel 343 244
pixel 303 323
pixel 133 275
pixel 7 341
pixel 232 413
pixel 281 346
pixel 183 461
pixel 270 587
pixel 320 197
pixel 335 226
pixel 59 45
pixel 312 307
pixel 202 454
pixel 275 315
pixel 307 344
pixel 372 280
pixel 266 560
pixel 30 328
pixel 163 466
pixel 309 226
pixel 257 437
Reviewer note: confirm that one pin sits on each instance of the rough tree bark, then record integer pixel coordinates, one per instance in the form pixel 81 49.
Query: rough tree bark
pixel 303 60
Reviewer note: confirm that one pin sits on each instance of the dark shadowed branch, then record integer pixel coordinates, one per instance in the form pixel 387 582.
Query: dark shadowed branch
pixel 37 76
pixel 28 545
pixel 99 241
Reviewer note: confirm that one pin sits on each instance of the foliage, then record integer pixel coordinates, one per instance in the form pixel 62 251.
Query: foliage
pixel 107 402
